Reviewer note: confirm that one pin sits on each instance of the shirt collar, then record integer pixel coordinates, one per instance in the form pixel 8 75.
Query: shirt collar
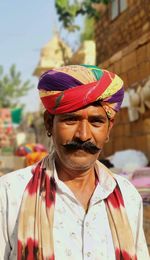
pixel 105 185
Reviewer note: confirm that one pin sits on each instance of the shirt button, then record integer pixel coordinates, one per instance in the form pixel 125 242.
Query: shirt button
pixel 68 252
pixel 89 254
pixel 73 235
pixel 79 221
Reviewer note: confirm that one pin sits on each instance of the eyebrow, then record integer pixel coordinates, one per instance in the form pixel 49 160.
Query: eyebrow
pixel 90 117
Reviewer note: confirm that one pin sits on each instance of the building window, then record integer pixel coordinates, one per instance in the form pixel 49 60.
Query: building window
pixel 117 7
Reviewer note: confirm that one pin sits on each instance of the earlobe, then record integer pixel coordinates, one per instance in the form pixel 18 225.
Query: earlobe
pixel 49 134
pixel 107 139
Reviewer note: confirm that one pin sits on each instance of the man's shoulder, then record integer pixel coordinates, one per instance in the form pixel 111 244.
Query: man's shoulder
pixel 16 179
pixel 127 188
pixel 125 185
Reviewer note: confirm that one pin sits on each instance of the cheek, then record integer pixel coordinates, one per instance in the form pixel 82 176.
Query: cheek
pixel 100 135
pixel 61 134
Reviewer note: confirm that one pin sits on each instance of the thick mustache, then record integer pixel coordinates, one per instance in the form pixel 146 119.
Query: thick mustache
pixel 85 146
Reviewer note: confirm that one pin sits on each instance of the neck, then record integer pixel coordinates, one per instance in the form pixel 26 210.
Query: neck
pixel 82 183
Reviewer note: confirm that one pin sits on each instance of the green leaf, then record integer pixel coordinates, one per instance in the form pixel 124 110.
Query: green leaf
pixel 67 12
pixel 12 87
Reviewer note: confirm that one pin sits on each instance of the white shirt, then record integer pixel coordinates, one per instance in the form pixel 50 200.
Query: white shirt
pixel 77 235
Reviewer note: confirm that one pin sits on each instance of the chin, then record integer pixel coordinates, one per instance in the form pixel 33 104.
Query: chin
pixel 77 161
pixel 81 162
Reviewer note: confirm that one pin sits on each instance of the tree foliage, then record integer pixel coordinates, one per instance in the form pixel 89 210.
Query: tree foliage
pixel 88 29
pixel 12 87
pixel 67 11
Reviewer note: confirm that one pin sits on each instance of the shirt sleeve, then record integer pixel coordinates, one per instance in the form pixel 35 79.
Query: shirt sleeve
pixel 141 245
pixel 4 239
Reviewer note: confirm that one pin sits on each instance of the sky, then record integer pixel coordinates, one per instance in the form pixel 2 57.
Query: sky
pixel 25 27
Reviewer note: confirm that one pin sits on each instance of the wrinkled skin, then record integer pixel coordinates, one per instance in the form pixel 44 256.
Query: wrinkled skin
pixel 89 124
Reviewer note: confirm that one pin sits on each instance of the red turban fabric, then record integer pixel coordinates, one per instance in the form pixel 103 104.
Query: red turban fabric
pixel 72 87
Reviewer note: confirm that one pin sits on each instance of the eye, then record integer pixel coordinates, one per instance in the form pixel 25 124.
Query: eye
pixel 97 122
pixel 69 120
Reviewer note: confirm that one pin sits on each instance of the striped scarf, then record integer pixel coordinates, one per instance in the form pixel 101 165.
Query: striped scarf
pixel 35 228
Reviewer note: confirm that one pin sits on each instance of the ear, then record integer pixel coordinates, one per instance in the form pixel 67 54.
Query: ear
pixel 48 121
pixel 111 123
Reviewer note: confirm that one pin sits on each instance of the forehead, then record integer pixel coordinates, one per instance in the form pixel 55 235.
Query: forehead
pixel 87 111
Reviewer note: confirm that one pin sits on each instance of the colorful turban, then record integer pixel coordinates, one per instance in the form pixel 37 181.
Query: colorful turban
pixel 72 87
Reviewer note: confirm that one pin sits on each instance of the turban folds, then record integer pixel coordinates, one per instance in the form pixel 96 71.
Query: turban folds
pixel 73 87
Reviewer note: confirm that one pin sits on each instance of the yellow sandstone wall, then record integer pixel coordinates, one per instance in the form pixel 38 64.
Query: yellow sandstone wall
pixel 123 46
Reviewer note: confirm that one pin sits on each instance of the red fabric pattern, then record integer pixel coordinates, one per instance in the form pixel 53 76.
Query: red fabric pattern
pixel 33 184
pixel 123 255
pixel 20 249
pixel 50 191
pixel 115 198
pixel 30 252
pixel 71 99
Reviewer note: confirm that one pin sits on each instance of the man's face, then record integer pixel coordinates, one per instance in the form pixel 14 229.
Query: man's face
pixel 79 137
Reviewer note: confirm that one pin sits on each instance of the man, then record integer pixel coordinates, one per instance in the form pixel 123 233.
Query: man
pixel 69 206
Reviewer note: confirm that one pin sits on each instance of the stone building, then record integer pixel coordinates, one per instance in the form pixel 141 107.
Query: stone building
pixel 85 54
pixel 123 45
pixel 55 53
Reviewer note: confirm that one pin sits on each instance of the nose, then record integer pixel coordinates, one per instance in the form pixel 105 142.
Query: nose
pixel 83 131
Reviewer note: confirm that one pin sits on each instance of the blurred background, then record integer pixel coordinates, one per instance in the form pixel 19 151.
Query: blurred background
pixel 39 35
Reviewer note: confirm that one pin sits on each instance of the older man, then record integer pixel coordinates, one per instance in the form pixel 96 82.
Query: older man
pixel 69 206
